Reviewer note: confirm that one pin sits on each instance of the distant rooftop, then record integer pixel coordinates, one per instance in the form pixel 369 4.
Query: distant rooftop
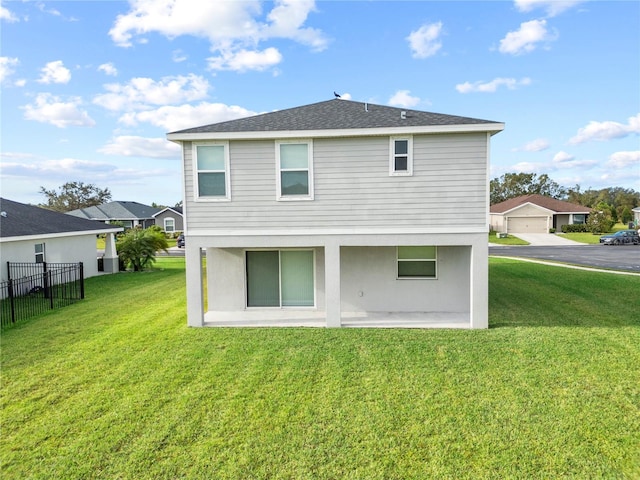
pixel 21 220
pixel 119 210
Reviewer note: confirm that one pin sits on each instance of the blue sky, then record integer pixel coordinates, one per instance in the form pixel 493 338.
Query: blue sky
pixel 90 88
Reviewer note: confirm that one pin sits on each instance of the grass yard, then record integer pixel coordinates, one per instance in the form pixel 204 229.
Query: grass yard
pixel 117 386
pixel 510 240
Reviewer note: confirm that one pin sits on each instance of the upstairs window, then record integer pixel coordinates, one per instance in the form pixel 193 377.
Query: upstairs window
pixel 212 171
pixel 417 262
pixel 401 156
pixel 295 170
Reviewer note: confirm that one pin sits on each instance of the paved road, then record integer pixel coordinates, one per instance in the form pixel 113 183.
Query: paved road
pixel 623 257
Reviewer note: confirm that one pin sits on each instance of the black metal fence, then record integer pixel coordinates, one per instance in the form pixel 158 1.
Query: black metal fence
pixel 33 288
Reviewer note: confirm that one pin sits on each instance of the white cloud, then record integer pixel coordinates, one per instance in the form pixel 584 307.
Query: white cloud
pixel 402 98
pixel 562 157
pixel 173 118
pixel 425 42
pixel 287 19
pixel 527 167
pixel 230 27
pixel 108 69
pixel 244 60
pixel 493 85
pixel 607 130
pixel 54 168
pixel 55 72
pixel 142 92
pixel 525 40
pixel 6 67
pixel 552 7
pixel 7 15
pixel 537 145
pixel 625 159
pixel 132 146
pixel 566 161
pixel 51 109
pixel 178 56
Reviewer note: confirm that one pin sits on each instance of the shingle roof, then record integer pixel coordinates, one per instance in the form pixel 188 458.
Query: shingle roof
pixel 116 211
pixel 549 203
pixel 20 220
pixel 175 209
pixel 333 115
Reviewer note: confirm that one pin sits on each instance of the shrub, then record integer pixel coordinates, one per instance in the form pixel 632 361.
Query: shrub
pixel 575 228
pixel 138 247
pixel 600 221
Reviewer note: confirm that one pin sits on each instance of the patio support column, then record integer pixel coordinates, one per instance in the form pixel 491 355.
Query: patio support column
pixel 479 284
pixel 195 295
pixel 332 283
pixel 110 258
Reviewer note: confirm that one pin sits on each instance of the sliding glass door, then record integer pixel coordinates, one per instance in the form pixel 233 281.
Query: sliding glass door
pixel 280 278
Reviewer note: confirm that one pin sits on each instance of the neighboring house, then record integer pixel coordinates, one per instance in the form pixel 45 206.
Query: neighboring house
pixel 535 214
pixel 33 234
pixel 170 219
pixel 338 213
pixel 130 214
pixel 636 215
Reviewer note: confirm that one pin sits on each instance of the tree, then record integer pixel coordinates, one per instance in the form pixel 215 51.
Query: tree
pixel 138 247
pixel 600 221
pixel 74 195
pixel 512 185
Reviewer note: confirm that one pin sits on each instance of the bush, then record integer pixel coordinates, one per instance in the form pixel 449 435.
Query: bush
pixel 575 228
pixel 138 247
pixel 600 221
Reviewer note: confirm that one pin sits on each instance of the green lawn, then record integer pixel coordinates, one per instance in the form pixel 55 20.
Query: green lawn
pixel 117 386
pixel 510 240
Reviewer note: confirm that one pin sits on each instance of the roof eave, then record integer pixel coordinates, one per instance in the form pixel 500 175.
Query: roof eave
pixel 61 234
pixel 491 128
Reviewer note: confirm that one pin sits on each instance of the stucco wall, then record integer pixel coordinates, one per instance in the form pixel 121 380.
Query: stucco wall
pixel 72 249
pixel 368 281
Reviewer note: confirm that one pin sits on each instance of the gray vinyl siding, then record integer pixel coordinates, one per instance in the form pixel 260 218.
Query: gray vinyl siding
pixel 352 186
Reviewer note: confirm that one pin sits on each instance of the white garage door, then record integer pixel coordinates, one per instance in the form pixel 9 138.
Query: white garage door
pixel 527 225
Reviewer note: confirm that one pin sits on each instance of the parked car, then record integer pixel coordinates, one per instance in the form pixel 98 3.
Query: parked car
pixel 620 238
pixel 180 241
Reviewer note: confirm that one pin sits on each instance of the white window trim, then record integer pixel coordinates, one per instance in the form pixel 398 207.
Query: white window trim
pixel 43 253
pixel 398 260
pixel 290 198
pixel 174 224
pixel 280 250
pixel 227 172
pixel 392 155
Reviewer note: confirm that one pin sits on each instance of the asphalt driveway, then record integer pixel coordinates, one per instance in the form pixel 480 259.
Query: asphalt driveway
pixel 622 257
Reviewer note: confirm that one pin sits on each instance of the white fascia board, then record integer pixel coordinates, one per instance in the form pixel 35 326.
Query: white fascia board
pixel 164 210
pixel 45 236
pixel 492 128
pixel 335 231
pixel 529 204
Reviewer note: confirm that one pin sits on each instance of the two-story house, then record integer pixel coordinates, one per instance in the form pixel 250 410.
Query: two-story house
pixel 338 213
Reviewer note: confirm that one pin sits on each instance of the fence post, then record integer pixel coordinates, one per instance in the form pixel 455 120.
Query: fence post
pixel 81 281
pixel 49 283
pixel 11 301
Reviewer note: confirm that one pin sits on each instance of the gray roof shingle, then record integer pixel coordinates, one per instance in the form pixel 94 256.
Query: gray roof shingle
pixel 540 200
pixel 116 211
pixel 21 220
pixel 335 115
